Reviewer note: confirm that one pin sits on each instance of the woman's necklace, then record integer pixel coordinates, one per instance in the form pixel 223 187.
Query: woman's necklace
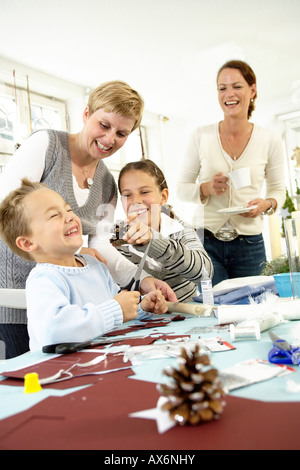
pixel 237 154
pixel 88 172
pixel 89 180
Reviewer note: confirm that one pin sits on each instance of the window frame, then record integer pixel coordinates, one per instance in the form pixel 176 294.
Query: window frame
pixel 22 117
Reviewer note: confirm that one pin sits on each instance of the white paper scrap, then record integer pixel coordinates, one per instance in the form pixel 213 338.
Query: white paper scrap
pixel 250 372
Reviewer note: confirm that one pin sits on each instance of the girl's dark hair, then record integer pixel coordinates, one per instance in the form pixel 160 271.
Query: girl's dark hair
pixel 148 166
pixel 248 75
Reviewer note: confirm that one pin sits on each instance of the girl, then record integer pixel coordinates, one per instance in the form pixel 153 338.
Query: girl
pixel 176 254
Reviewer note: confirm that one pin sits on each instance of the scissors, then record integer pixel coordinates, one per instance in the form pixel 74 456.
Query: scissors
pixel 283 352
pixel 137 276
pixel 68 348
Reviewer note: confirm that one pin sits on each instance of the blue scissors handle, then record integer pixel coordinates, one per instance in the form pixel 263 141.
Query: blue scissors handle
pixel 283 352
pixel 279 356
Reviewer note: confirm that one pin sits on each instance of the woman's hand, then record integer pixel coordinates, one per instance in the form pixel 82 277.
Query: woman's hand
pixel 216 186
pixel 262 206
pixel 92 252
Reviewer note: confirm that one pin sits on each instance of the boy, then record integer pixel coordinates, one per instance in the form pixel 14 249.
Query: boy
pixel 69 297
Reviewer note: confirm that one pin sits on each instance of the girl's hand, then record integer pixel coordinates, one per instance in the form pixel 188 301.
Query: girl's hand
pixel 150 283
pixel 138 233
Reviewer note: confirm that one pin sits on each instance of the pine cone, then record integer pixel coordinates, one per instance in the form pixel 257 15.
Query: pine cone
pixel 194 394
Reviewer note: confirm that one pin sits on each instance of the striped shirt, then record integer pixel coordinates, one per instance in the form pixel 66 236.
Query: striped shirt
pixel 176 256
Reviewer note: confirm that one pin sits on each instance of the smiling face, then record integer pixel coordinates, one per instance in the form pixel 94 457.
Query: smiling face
pixel 55 231
pixel 104 133
pixel 141 194
pixel 234 93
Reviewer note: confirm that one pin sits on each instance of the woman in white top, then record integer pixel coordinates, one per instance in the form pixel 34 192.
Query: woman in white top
pixel 234 240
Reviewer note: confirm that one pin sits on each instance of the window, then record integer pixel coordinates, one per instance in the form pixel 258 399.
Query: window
pixel 45 117
pixel 7 123
pixel 18 120
pixel 290 126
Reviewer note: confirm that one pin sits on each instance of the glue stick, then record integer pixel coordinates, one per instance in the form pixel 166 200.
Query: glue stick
pixel 206 288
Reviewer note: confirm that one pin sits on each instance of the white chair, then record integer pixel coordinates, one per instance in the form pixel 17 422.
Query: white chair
pixel 13 298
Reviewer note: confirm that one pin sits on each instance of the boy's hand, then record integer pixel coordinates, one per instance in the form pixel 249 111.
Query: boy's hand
pixel 129 302
pixel 154 302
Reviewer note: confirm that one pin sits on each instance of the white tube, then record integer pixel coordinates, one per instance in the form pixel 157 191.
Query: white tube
pixel 194 309
pixel 288 308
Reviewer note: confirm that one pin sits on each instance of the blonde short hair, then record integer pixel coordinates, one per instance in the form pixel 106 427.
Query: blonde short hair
pixel 117 97
pixel 14 219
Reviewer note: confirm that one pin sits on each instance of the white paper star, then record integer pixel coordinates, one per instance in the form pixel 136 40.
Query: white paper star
pixel 285 213
pixel 163 420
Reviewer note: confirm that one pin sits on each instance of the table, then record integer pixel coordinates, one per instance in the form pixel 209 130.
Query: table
pixel 260 416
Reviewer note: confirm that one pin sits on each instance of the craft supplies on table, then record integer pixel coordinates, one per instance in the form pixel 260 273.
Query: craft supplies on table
pixel 100 398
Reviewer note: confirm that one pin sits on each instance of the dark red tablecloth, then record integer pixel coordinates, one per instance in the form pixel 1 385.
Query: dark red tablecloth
pixel 97 417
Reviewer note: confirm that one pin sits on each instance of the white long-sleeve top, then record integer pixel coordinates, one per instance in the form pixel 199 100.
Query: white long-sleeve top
pixel 205 157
